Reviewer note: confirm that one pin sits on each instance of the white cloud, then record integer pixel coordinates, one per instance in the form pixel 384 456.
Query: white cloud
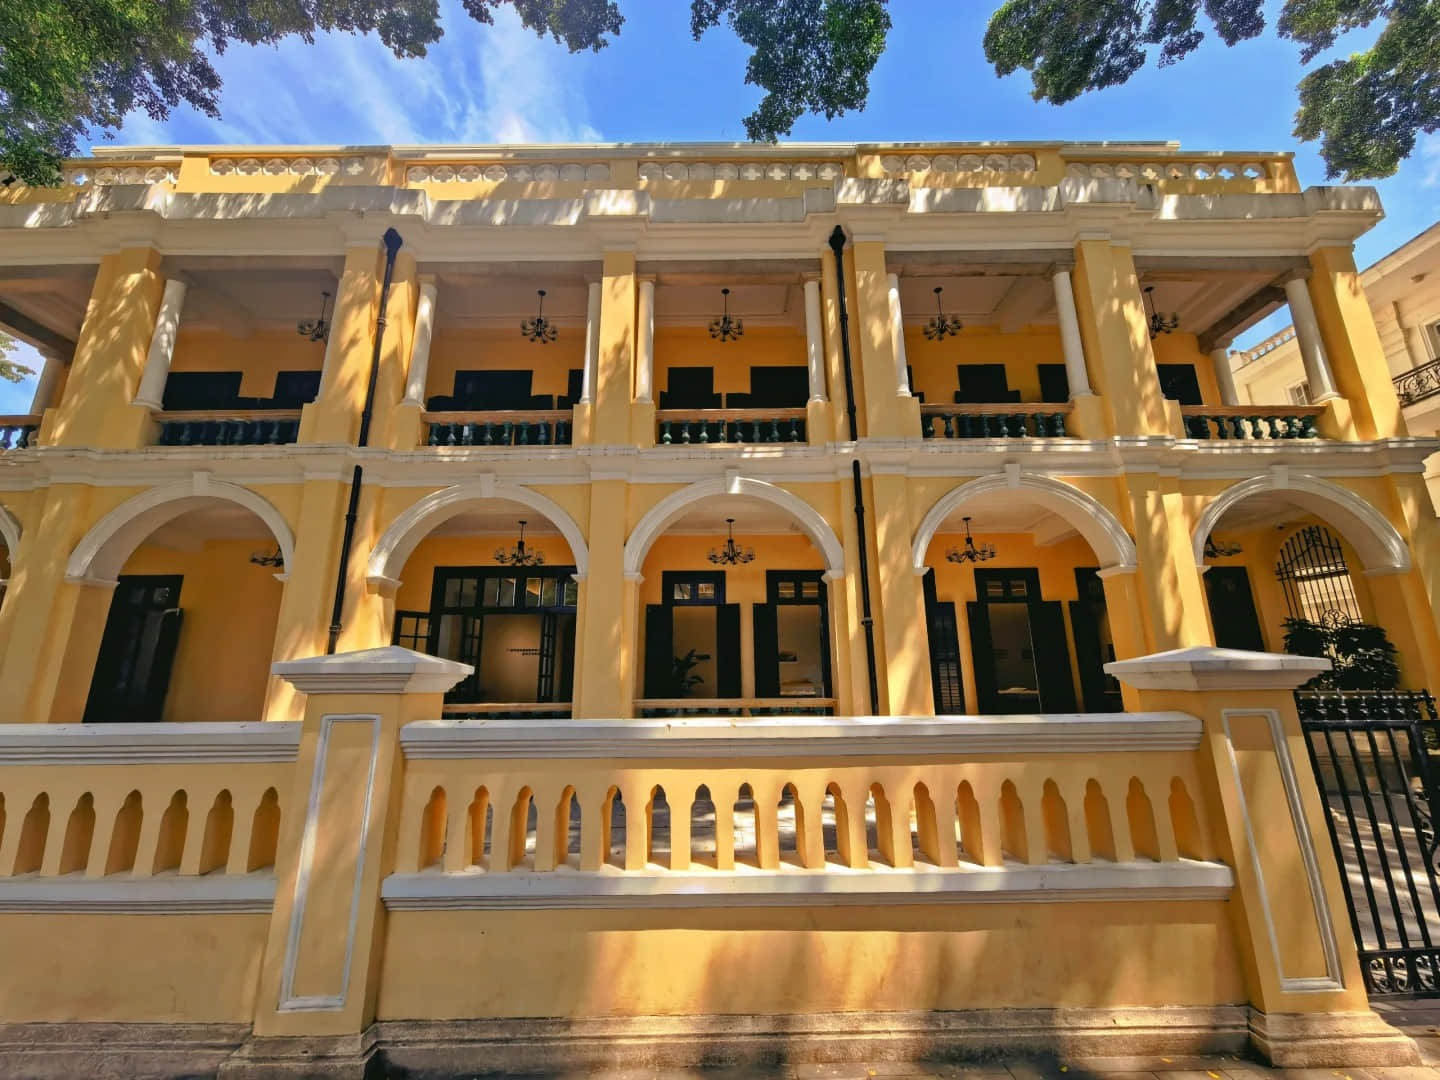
pixel 479 83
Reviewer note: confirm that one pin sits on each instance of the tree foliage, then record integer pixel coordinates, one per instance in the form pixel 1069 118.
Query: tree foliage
pixel 1361 654
pixel 70 67
pixel 11 370
pixel 1366 109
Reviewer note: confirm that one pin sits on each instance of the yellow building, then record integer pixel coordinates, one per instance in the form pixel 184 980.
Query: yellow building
pixel 867 515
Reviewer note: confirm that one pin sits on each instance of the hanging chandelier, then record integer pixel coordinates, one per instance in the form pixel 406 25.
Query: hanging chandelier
pixel 972 552
pixel 731 554
pixel 1159 324
pixel 275 559
pixel 1217 550
pixel 539 328
pixel 942 325
pixel 316 329
pixel 519 555
pixel 725 328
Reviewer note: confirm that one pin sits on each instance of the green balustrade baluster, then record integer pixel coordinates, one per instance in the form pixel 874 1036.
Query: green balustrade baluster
pixel 1308 430
pixel 1273 423
pixel 487 437
pixel 795 429
pixel 665 435
pixel 507 433
pixel 1239 425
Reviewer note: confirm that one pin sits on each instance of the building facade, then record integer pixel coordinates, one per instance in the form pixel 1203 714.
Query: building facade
pixel 628 444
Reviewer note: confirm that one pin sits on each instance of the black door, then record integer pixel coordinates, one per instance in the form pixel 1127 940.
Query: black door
pixel 660 652
pixel 137 651
pixel 1090 623
pixel 1232 609
pixel 1180 383
pixel 1018 644
pixel 727 651
pixel 944 637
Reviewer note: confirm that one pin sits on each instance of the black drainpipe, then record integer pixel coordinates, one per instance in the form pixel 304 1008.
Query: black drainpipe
pixel 837 245
pixel 392 243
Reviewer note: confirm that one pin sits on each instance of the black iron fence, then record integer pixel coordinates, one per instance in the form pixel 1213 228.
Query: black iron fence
pixel 1374 758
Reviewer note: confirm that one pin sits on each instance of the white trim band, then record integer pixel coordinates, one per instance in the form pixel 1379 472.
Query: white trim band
pixel 148 744
pixel 74 894
pixel 833 886
pixel 801 737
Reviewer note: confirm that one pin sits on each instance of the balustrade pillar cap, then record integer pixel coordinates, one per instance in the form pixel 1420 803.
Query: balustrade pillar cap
pixel 1204 667
pixel 389 670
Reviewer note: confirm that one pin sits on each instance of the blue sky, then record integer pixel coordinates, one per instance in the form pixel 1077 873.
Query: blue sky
pixel 501 84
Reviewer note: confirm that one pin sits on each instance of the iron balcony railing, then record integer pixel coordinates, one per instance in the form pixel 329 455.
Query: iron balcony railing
pixel 1418 383
pixel 1001 421
pixel 228 427
pixel 530 427
pixel 1251 421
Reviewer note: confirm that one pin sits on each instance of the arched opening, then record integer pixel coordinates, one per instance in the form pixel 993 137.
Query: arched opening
pixel 219 827
pixel 1016 603
pixel 170 843
pixel 264 833
pixel 737 606
pixel 657 827
pixel 490 582
pixel 703 840
pixel 1298 564
pixel 432 831
pixel 125 836
pixel 189 628
pixel 79 836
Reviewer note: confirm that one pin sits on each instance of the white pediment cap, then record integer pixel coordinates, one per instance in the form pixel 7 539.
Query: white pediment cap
pixel 389 670
pixel 1204 667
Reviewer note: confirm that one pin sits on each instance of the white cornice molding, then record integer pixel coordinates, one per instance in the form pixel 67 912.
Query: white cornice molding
pixel 833 886
pixel 1208 668
pixel 74 894
pixel 148 744
pixel 386 670
pixel 808 737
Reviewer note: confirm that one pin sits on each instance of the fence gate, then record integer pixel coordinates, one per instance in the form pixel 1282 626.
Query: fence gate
pixel 1375 759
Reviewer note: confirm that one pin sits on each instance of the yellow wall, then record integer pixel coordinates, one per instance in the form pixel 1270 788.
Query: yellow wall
pixel 692 346
pixel 933 363
pixel 222 664
pixel 260 356
pixel 500 350
pixel 1183 348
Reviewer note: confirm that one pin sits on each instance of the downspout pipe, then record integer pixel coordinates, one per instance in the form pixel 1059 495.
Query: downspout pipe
pixel 392 243
pixel 837 245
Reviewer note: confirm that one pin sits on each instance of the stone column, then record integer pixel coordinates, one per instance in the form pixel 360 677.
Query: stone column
pixel 887 413
pixel 420 348
pixel 1224 375
pixel 327 930
pixel 1312 348
pixel 814 340
pixel 162 346
pixel 902 635
pixel 607 638
pixel 45 386
pixel 897 331
pixel 1259 812
pixel 334 415
pixel 1070 340
pixel 645 347
pixel 592 343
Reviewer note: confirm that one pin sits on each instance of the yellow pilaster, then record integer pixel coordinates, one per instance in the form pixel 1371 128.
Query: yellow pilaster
pixel 334 415
pixel 1357 359
pixel 615 367
pixel 888 413
pixel 387 427
pixel 605 661
pixel 1117 341
pixel 1172 592
pixel 834 358
pixel 110 355
pixel 850 633
pixel 906 645
pixel 41 610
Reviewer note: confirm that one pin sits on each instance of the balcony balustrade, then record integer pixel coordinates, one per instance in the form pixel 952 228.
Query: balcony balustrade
pixel 729 426
pixel 782 706
pixel 18 432
pixel 508 710
pixel 1418 383
pixel 211 427
pixel 1251 422
pixel 535 427
pixel 1002 421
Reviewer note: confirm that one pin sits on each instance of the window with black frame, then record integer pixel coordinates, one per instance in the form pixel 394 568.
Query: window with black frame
pixel 792 636
pixel 515 626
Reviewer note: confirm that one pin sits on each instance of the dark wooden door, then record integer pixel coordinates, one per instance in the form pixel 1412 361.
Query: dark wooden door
pixel 944 638
pixel 1232 609
pixel 766 621
pixel 137 651
pixel 727 651
pixel 659 651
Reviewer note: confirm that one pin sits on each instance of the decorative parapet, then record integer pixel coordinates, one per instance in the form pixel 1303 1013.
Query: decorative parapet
pixel 1269 345
pixel 957 164
pixel 496 172
pixel 828 171
pixel 287 166
pixel 105 175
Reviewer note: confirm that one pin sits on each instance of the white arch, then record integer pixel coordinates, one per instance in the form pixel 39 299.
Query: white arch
pixel 102 551
pixel 1092 520
pixel 9 532
pixel 399 541
pixel 667 510
pixel 1375 540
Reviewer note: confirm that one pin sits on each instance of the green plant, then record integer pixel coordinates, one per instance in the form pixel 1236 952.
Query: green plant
pixel 682 677
pixel 1362 655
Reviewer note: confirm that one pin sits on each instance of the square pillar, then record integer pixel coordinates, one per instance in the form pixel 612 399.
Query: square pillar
pixel 320 976
pixel 1265 816
pixel 1116 340
pixel 334 415
pixel 615 354
pixel 1171 589
pixel 1352 344
pixel 110 356
pixel 608 630
pixel 889 413
pixel 903 627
